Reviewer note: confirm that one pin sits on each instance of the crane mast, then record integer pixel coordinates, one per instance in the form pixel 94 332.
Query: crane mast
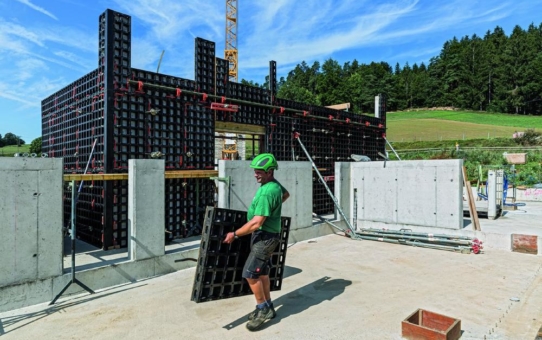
pixel 230 52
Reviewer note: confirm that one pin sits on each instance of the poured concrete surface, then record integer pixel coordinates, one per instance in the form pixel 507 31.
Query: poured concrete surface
pixel 335 288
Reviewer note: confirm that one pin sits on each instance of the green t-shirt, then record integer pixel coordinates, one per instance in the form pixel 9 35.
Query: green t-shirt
pixel 268 202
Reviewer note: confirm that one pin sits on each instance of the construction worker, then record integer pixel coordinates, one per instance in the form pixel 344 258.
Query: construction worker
pixel 264 223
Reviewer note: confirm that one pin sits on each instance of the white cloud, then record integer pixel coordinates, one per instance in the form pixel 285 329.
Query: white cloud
pixel 37 8
pixel 77 59
pixel 170 21
pixel 289 31
pixel 26 68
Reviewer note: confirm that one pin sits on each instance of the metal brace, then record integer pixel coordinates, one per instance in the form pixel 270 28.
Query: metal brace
pixel 228 182
pixel 385 158
pixel 222 179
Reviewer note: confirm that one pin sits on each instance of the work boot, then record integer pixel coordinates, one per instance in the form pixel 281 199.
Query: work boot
pixel 253 313
pixel 261 316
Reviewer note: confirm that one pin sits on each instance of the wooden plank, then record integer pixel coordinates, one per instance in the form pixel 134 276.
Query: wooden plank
pixel 95 177
pixel 243 129
pixel 344 106
pixel 527 244
pixel 191 174
pixel 470 198
pixel 123 177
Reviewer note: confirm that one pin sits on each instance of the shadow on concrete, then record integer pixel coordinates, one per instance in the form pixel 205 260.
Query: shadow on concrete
pixel 290 271
pixel 61 307
pixel 295 302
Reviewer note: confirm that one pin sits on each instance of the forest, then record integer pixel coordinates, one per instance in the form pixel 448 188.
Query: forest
pixel 494 73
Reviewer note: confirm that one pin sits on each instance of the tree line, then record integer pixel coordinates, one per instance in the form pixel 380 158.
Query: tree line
pixel 10 139
pixel 495 73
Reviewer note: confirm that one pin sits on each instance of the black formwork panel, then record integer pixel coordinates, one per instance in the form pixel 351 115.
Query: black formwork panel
pixel 152 122
pixel 186 201
pixel 72 123
pixel 220 265
pixel 139 121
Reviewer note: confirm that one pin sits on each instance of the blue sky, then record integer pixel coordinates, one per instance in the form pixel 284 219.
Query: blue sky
pixel 47 44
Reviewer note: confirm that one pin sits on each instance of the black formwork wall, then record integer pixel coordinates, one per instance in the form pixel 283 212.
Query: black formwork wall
pixel 138 114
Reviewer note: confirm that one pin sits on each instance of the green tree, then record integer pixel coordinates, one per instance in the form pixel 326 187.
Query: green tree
pixel 35 146
pixel 12 139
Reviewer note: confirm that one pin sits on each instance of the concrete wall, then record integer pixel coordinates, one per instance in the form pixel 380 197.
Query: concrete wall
pixel 405 193
pixel 44 290
pixel 296 177
pixel 146 203
pixel 30 219
pixel 525 195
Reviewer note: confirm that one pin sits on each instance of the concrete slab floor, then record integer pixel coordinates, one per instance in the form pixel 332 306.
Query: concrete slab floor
pixel 525 220
pixel 335 288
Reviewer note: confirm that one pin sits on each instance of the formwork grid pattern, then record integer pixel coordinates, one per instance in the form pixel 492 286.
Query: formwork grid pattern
pixel 138 114
pixel 220 266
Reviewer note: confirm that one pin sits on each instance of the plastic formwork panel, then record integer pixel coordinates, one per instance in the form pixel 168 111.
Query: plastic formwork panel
pixel 138 121
pixel 220 266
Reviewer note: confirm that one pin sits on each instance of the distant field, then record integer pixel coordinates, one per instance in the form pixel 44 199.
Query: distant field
pixel 13 149
pixel 500 119
pixel 452 125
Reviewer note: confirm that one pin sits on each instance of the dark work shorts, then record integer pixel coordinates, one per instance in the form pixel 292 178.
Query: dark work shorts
pixel 262 246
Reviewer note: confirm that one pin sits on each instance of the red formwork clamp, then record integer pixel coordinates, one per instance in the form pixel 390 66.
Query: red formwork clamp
pixel 476 246
pixel 347 120
pixel 330 117
pixel 380 126
pixel 305 113
pixel 178 92
pixel 139 86
pixel 204 96
pixel 223 100
pixel 367 124
pixel 296 135
pixel 282 109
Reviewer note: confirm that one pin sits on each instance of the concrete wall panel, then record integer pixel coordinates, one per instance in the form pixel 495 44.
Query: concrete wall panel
pixel 146 202
pixel 448 198
pixel 418 193
pixel 296 177
pixel 30 219
pixel 384 181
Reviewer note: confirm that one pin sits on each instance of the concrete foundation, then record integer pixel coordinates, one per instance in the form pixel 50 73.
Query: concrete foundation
pixel 334 288
pixel 30 219
pixel 102 269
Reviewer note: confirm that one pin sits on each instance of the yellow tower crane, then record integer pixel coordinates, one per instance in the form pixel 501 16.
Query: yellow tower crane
pixel 230 52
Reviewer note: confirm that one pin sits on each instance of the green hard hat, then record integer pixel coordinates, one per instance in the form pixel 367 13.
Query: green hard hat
pixel 265 162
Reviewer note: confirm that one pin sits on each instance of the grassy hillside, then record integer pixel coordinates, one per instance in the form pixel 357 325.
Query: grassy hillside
pixel 9 151
pixel 455 125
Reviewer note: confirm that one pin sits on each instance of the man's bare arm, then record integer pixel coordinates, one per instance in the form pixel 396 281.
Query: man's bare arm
pixel 285 196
